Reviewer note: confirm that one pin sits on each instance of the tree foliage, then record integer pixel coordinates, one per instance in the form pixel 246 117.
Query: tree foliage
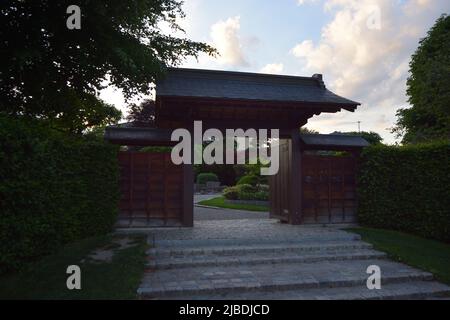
pixel 142 114
pixel 428 88
pixel 53 73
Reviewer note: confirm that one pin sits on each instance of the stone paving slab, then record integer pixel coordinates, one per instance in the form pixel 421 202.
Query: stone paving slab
pixel 285 276
pixel 399 291
pixel 242 231
pixel 265 259
pixel 210 213
pixel 194 261
pixel 258 247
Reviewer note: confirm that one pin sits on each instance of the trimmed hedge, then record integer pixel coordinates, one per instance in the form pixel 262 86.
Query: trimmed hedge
pixel 407 189
pixel 205 177
pixel 247 192
pixel 54 189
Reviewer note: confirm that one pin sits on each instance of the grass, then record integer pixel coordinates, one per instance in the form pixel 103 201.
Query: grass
pixel 220 203
pixel 46 279
pixel 429 255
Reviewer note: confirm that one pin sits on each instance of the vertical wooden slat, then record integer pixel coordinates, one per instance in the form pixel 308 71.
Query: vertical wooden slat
pixel 344 170
pixel 296 179
pixel 166 190
pixel 148 193
pixel 130 206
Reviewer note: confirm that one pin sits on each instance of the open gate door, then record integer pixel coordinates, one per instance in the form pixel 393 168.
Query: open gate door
pixel 280 184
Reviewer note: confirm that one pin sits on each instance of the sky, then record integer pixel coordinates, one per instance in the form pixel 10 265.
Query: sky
pixel 362 48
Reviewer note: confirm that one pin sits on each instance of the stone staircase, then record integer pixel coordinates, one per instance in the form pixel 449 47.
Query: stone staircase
pixel 314 268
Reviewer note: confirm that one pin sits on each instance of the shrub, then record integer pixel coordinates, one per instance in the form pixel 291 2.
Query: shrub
pixel 231 193
pixel 225 173
pixel 406 189
pixel 245 192
pixel 54 189
pixel 246 188
pixel 258 195
pixel 205 177
pixel 252 180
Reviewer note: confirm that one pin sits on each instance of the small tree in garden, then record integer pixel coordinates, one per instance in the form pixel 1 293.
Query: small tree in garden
pixel 54 74
pixel 428 88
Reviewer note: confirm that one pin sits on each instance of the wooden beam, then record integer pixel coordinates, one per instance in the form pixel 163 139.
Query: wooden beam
pixel 295 192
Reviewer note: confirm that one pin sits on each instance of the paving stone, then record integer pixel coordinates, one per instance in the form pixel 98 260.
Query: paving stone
pixel 267 260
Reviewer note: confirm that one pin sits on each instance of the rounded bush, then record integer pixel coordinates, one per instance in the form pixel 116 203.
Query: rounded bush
pixel 205 177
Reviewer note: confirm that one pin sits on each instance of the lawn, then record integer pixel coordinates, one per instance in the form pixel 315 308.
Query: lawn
pixel 100 278
pixel 429 255
pixel 220 203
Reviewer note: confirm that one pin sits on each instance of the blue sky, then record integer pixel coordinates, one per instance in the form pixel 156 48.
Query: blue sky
pixel 362 48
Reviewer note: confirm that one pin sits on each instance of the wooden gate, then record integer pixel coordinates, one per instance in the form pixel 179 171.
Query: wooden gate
pixel 151 189
pixel 280 184
pixel 329 189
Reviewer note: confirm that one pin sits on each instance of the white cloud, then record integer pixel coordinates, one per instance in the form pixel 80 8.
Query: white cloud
pixel 226 39
pixel 272 68
pixel 368 64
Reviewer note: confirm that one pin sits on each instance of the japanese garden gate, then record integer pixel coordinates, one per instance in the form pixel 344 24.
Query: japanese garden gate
pixel 157 192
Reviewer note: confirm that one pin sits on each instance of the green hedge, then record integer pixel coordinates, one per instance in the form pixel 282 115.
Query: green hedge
pixel 407 189
pixel 53 189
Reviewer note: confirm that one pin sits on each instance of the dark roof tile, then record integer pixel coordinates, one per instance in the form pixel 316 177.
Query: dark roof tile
pixel 246 86
pixel 336 140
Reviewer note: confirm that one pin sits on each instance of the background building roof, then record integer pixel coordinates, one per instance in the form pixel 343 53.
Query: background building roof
pixel 333 140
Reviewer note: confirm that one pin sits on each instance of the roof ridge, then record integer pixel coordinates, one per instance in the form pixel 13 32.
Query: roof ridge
pixel 248 74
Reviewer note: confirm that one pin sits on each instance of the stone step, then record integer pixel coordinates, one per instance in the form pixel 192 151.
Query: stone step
pixel 259 248
pixel 330 236
pixel 262 258
pixel 400 291
pixel 267 277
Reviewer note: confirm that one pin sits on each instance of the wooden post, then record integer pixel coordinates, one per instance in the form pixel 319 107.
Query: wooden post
pixel 295 192
pixel 188 187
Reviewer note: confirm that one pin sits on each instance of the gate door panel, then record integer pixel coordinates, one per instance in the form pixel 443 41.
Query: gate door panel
pixel 151 189
pixel 329 185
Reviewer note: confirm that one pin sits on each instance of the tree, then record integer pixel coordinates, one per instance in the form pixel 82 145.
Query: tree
pixel 428 88
pixel 305 130
pixel 372 137
pixel 142 114
pixel 54 74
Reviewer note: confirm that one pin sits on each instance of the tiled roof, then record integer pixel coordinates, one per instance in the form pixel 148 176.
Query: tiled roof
pixel 333 140
pixel 247 86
